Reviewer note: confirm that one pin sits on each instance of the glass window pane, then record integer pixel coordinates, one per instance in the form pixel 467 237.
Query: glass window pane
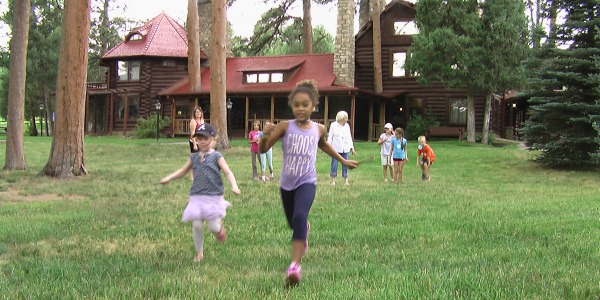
pixel 458 111
pixel 251 78
pixel 277 77
pixel 405 28
pixel 398 67
pixel 122 70
pixel 263 77
pixel 134 68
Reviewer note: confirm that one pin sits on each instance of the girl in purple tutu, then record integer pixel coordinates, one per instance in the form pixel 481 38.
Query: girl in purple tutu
pixel 206 202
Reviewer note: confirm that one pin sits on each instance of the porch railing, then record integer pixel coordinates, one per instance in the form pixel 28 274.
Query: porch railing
pixel 96 85
pixel 182 126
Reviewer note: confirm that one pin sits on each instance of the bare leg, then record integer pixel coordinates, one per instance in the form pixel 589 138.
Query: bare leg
pixel 297 250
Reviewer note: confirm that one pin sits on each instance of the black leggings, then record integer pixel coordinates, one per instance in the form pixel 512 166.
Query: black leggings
pixel 296 205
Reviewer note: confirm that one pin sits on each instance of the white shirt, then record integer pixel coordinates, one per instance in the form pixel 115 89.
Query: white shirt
pixel 340 137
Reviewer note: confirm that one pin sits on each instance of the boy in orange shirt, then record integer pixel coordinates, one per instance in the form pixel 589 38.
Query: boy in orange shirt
pixel 425 158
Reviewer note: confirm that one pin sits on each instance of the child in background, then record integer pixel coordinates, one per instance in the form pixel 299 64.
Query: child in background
pixel 425 158
pixel 267 159
pixel 253 137
pixel 399 155
pixel 206 202
pixel 298 181
pixel 385 140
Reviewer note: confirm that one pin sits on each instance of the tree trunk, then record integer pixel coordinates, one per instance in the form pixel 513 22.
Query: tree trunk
pixel 66 154
pixel 470 119
pixel 194 46
pixel 15 155
pixel 377 76
pixel 485 137
pixel 218 113
pixel 307 27
pixel 364 13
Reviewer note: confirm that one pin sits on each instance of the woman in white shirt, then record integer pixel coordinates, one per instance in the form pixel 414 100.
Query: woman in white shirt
pixel 340 139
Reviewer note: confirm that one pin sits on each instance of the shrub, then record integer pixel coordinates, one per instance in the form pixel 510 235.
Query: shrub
pixel 417 125
pixel 146 127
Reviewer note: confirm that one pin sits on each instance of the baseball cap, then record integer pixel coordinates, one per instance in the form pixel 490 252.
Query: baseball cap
pixel 205 130
pixel 388 125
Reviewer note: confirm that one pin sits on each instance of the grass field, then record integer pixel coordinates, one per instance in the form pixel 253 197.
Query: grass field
pixel 489 225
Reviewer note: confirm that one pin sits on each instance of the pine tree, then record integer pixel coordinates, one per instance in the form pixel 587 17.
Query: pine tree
pixel 568 93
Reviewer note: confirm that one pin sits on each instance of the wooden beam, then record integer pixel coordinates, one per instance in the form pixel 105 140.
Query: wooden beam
pixel 172 116
pixel 125 114
pixel 87 114
pixel 272 108
pixel 246 114
pixel 352 113
pixel 369 133
pixel 326 112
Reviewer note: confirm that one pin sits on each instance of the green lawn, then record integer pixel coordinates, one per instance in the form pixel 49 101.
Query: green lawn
pixel 489 225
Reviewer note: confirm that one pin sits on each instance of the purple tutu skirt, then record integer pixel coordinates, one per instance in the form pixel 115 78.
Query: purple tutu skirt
pixel 204 207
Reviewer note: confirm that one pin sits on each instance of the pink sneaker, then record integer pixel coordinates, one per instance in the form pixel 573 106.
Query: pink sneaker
pixel 294 274
pixel 306 240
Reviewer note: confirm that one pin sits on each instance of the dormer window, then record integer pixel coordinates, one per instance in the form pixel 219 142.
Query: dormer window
pixel 405 28
pixel 251 78
pixel 136 37
pixel 275 77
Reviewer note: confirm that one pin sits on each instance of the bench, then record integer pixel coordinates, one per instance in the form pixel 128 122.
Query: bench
pixel 445 131
pixel 3 129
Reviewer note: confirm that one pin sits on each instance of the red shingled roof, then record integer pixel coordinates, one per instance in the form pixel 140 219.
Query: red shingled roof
pixel 318 67
pixel 162 36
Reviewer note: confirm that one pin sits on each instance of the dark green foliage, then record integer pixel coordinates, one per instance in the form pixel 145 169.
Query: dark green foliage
pixel 565 102
pixel 419 124
pixel 146 127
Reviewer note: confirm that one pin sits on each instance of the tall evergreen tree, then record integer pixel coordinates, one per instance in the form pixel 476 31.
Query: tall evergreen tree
pixel 478 46
pixel 566 99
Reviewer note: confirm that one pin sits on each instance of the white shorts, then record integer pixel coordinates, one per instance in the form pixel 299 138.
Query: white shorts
pixel 386 160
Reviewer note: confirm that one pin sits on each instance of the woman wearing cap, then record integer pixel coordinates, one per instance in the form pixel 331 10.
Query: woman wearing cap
pixel 385 140
pixel 340 139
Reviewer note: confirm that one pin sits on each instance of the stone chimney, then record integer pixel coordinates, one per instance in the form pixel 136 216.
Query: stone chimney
pixel 205 18
pixel 343 61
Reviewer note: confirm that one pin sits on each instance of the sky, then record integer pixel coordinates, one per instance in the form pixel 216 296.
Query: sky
pixel 242 15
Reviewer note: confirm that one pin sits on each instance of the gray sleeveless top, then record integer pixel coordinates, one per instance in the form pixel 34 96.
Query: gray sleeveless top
pixel 207 174
pixel 299 156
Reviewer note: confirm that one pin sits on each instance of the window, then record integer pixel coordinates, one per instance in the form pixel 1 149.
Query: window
pixel 135 37
pixel 265 77
pixel 458 111
pixel 169 63
pixel 399 60
pixel 277 77
pixel 128 70
pixel 405 28
pixel 251 78
pixel 133 103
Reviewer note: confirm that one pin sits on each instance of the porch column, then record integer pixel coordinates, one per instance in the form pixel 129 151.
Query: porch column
pixel 370 132
pixel 195 105
pixel 272 108
pixel 125 115
pixel 352 113
pixel 246 113
pixel 87 112
pixel 172 116
pixel 326 112
pixel 381 114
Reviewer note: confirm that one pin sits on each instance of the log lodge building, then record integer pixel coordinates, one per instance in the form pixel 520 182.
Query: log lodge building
pixel 150 65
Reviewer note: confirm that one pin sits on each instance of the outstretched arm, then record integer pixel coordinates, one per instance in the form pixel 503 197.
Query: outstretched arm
pixel 179 173
pixel 230 177
pixel 271 134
